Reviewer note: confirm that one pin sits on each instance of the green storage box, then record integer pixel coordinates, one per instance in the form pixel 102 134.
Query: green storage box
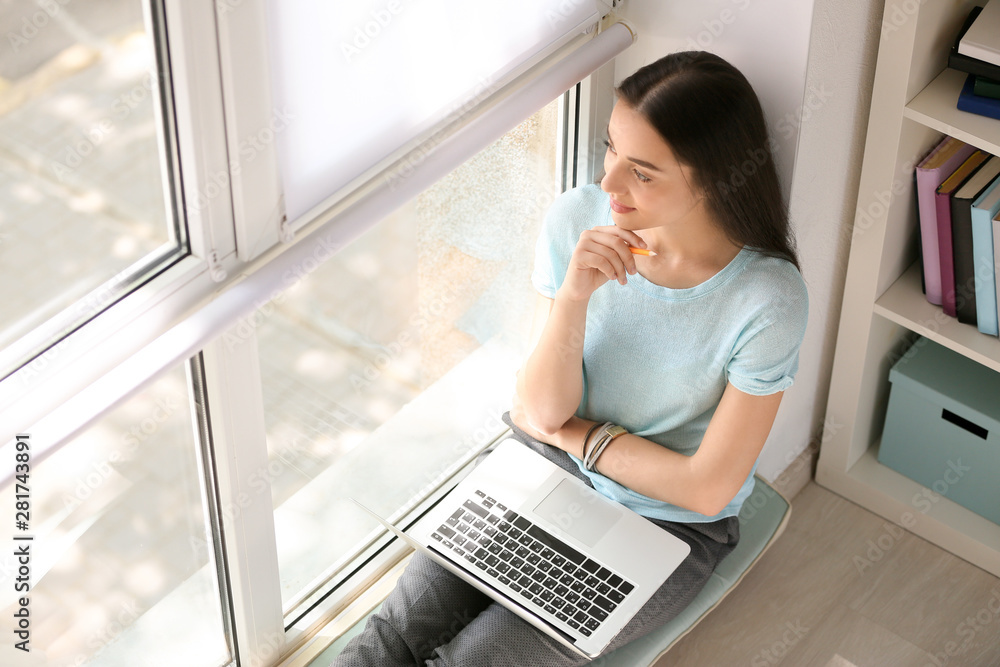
pixel 942 428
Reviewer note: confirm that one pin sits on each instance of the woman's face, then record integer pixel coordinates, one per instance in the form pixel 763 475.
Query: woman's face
pixel 648 186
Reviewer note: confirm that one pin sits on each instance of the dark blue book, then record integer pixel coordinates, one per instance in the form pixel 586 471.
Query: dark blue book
pixel 977 104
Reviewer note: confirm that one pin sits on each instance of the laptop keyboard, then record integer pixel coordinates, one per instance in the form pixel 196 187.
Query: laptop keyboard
pixel 530 562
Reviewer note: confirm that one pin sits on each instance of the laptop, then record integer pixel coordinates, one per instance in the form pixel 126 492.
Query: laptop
pixel 539 541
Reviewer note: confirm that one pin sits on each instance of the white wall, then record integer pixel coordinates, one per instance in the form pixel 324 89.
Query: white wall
pixel 825 181
pixel 812 64
pixel 767 41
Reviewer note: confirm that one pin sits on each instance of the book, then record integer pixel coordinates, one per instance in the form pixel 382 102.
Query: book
pixel 944 159
pixel 968 64
pixel 984 209
pixel 961 238
pixel 982 39
pixel 986 88
pixel 920 241
pixel 942 204
pixel 996 255
pixel 972 103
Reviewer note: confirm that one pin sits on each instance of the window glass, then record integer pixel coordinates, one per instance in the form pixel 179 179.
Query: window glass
pixel 83 210
pixel 389 366
pixel 122 568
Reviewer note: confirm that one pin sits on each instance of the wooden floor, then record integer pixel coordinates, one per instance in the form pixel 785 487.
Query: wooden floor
pixel 844 588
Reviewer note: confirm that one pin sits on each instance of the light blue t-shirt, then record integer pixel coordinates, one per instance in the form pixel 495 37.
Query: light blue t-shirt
pixel 656 360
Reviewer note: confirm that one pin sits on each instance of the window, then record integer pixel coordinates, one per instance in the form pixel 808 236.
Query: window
pixel 207 374
pixel 84 214
pixel 122 561
pixel 388 367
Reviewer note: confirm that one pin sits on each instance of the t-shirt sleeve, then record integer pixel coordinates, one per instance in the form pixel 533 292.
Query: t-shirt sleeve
pixel 766 357
pixel 543 276
pixel 557 240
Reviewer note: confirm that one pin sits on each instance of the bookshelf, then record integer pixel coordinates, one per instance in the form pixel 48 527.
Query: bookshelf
pixel 934 107
pixel 884 309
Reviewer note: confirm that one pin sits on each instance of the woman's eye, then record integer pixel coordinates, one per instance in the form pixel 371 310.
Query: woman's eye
pixel 608 144
pixel 642 177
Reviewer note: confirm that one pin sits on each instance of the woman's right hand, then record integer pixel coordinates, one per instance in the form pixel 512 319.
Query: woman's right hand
pixel 601 254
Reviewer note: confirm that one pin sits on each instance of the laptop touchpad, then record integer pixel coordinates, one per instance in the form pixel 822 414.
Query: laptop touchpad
pixel 578 511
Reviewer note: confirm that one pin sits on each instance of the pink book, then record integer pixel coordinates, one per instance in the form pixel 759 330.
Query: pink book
pixel 942 204
pixel 931 172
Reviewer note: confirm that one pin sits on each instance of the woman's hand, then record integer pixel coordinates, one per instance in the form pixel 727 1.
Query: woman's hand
pixel 601 254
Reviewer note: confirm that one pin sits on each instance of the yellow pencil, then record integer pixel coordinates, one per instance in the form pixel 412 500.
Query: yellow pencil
pixel 642 251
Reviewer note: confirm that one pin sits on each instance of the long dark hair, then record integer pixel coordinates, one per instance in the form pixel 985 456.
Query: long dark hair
pixel 709 115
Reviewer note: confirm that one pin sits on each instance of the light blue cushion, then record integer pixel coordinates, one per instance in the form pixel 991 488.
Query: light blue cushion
pixel 762 519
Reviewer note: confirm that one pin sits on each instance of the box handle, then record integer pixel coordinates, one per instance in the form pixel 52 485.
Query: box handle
pixel 961 422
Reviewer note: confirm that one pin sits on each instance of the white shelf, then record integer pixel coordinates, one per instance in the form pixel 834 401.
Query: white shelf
pixel 904 304
pixel 872 331
pixel 934 106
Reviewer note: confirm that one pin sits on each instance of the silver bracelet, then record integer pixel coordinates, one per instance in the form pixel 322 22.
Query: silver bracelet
pixel 588 451
pixel 608 433
pixel 602 440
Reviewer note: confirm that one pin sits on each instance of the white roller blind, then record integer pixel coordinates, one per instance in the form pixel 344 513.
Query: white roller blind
pixel 359 80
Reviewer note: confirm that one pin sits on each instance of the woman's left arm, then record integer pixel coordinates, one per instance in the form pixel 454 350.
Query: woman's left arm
pixel 705 482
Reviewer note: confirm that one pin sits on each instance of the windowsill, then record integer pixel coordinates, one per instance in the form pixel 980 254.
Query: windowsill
pixel 166 629
pixel 329 640
pixel 399 464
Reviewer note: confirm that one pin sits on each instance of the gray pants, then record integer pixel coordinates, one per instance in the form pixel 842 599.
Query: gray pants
pixel 434 618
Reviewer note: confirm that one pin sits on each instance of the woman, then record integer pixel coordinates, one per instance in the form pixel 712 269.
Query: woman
pixel 688 348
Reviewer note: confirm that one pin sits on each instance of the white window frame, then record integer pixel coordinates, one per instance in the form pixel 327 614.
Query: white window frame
pixel 245 512
pixel 252 125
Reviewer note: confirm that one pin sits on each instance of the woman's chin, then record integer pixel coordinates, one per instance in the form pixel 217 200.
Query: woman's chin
pixel 630 221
